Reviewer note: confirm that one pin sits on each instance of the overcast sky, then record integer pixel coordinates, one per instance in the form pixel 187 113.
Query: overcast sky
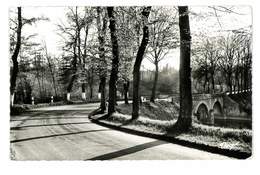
pixel 205 22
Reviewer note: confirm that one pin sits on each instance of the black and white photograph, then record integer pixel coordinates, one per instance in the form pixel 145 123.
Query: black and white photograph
pixel 150 82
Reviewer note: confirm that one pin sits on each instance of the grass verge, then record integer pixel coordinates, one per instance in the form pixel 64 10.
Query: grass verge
pixel 157 118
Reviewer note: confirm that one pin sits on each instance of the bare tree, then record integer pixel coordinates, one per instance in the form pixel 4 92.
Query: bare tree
pixel 15 55
pixel 51 68
pixel 138 61
pixel 162 39
pixel 206 58
pixel 228 45
pixel 75 47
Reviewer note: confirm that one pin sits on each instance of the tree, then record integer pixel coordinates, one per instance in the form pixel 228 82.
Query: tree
pixel 206 57
pixel 74 62
pixel 138 61
pixel 68 69
pixel 102 27
pixel 115 61
pixel 162 39
pixel 228 45
pixel 87 66
pixel 184 119
pixel 15 55
pixel 51 69
pixel 16 44
pixel 127 36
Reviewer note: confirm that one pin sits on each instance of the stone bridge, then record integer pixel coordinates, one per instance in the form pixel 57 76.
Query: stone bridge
pixel 212 108
pixel 207 107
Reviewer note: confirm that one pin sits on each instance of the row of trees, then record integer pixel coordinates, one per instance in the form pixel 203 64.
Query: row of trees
pixel 223 63
pixel 95 48
pixel 31 66
pixel 107 45
pixel 88 50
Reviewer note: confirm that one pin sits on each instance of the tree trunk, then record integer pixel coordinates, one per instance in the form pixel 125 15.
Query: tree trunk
pixel 103 70
pixel 115 62
pixel 51 70
pixel 126 89
pixel 206 84
pixel 230 82
pixel 78 29
pixel 74 71
pixel 245 74
pixel 91 84
pixel 155 81
pixel 242 76
pixel 138 61
pixel 184 120
pixel 91 91
pixel 70 85
pixel 37 65
pixel 15 69
pixel 103 94
pixel 212 82
pixel 83 91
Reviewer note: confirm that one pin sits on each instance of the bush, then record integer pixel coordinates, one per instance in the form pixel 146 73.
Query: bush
pixel 18 109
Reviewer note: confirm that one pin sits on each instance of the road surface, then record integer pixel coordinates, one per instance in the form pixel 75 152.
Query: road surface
pixel 66 133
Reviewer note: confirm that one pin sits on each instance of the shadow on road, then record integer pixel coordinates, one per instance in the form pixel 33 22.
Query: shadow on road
pixel 55 135
pixel 29 126
pixel 46 113
pixel 50 114
pixel 46 118
pixel 128 151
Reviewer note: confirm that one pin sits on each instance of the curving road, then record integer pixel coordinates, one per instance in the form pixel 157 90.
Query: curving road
pixel 65 133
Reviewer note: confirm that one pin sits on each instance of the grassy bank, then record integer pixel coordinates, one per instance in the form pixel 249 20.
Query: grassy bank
pixel 159 117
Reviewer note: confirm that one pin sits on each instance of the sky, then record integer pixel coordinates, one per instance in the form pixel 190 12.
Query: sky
pixel 205 21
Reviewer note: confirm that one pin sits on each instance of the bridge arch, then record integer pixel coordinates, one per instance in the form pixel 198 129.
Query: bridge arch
pixel 217 110
pixel 202 112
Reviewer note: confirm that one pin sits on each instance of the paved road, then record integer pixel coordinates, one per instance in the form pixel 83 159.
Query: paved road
pixel 65 133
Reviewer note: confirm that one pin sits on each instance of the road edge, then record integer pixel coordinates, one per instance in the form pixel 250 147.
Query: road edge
pixel 216 150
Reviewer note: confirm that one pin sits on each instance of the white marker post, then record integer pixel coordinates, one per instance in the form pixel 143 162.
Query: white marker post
pixel 99 95
pixel 83 96
pixel 32 100
pixel 12 99
pixel 51 99
pixel 68 96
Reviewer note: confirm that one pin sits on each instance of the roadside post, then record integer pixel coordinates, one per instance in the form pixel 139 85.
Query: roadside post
pixel 32 100
pixel 51 99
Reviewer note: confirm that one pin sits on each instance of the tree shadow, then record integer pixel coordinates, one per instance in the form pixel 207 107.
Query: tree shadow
pixel 50 113
pixel 128 151
pixel 29 126
pixel 177 128
pixel 95 112
pixel 127 122
pixel 56 135
pixel 45 118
